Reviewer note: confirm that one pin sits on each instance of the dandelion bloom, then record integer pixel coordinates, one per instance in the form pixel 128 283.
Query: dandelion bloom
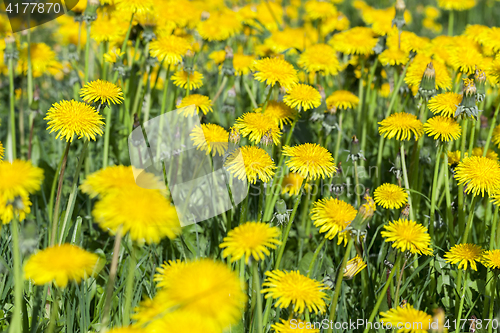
pixel 416 71
pixel 410 42
pixel 478 174
pixel 294 325
pixel 408 236
pixel 255 126
pixel 220 26
pixel 318 10
pixel 332 216
pixel 106 29
pixel 61 264
pixel 103 92
pixel 275 70
pixel 242 64
pixel 390 196
pixel 310 160
pixel 353 267
pixel 393 57
pixel 464 255
pixel 134 6
pixel 292 183
pixel 166 270
pixel 401 125
pixel 169 49
pixel 319 58
pixel 281 113
pixel 454 157
pixel 357 40
pixel 442 128
pixel 178 320
pixel 200 102
pixel 445 104
pixel 491 259
pixel 407 316
pixel 43 60
pixel 204 288
pixel 491 154
pixel 456 4
pixel 302 97
pixel 465 59
pixel 180 79
pixel 112 55
pixel 250 239
pixel 118 178
pixel 341 99
pixel 145 213
pixel 293 288
pixel 210 138
pixel 72 117
pixel 252 163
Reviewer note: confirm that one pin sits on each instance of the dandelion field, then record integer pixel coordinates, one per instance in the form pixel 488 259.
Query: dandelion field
pixel 251 166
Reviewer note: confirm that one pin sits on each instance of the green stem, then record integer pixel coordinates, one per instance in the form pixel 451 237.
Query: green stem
pixel 107 132
pixel 129 287
pixel 490 132
pixel 127 36
pixel 399 278
pixel 256 287
pixel 460 307
pixel 315 256
pixel 55 310
pixel 434 190
pixel 461 213
pixel 492 303
pixel 468 227
pixel 111 281
pixel 339 137
pixel 361 95
pixel 451 20
pixel 12 101
pixel 471 142
pixel 16 325
pixel 87 55
pixel 356 182
pixel 267 99
pixel 405 178
pixel 449 214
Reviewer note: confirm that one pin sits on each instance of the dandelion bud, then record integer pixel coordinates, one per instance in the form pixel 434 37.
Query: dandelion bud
pixel 468 107
pixel 267 139
pixel 10 48
pixel 355 153
pixel 367 210
pixel 399 19
pixel 353 267
pixel 281 206
pixel 90 13
pixel 480 81
pixel 406 211
pixel 227 66
pixel 230 101
pixel 189 62
pixel 427 87
pixel 234 135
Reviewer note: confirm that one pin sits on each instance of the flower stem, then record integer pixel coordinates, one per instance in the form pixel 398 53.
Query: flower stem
pixel 107 132
pixel 55 310
pixel 490 132
pixel 405 178
pixel 315 256
pixel 16 325
pixel 492 302
pixel 111 281
pixel 460 307
pixel 471 142
pixel 12 101
pixel 400 278
pixel 339 137
pixel 129 287
pixel 434 190
pixel 256 287
pixel 87 55
pixel 451 20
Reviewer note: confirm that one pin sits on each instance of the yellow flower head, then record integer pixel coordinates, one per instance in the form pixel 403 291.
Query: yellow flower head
pixel 478 175
pixel 409 236
pixel 43 60
pixel 210 138
pixel 103 92
pixel 106 29
pixel 491 154
pixel 442 128
pixel 310 160
pixel 496 136
pixel 200 102
pixel 134 6
pixel 341 99
pixel 294 326
pixel 318 10
pixel 255 126
pixel 281 113
pixel 390 196
pixel 180 79
pixel 401 125
pixel 292 184
pixel 293 288
pixel 491 259
pixel 465 59
pixel 332 216
pixel 464 255
pixel 113 55
pixel 417 68
pixel 353 267
pixel 166 270
pixel 303 97
pixel 169 49
pixel 409 42
pixel 275 70
pixel 411 319
pixel 72 117
pixel 242 63
pixel 178 320
pixel 454 157
pixel 357 40
pixel 220 26
pixel 145 213
pixel 250 239
pixel 319 58
pixel 393 57
pixel 458 5
pixel 61 264
pixel 445 104
pixel 252 163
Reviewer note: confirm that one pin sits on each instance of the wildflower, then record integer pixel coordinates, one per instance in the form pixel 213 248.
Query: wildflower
pixel 318 10
pixel 357 40
pixel 293 288
pixel 367 210
pixel 113 55
pixel 491 259
pixel 464 255
pixel 281 113
pixel 210 138
pixel 341 99
pixel 61 264
pixel 180 79
pixel 256 125
pixel 390 196
pixel 353 267
pixel 220 26
pixel 234 135
pixel 310 160
pixel 442 128
pixel 169 49
pixel 72 117
pixel 302 97
pixel 43 60
pixel 454 158
pixel 332 216
pixel 292 183
pixel 480 80
pixel 251 163
pixel 459 5
pixel 393 57
pixel 106 29
pixel 319 58
pixel 491 154
pixel 178 320
pixel 293 325
pixel 200 102
pixel 478 175
pixel 427 87
pixel 242 64
pixel 407 316
pixel 251 239
pixel 166 270
pixel 401 125
pixel 134 6
pixel 275 70
pixel 445 104
pixel 465 59
pixel 102 92
pixel 416 71
pixel 408 236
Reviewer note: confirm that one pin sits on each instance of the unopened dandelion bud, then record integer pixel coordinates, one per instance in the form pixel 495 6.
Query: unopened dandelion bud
pixel 399 18
pixel 480 81
pixel 355 152
pixel 353 267
pixel 281 206
pixel 427 87
pixel 10 48
pixel 189 62
pixel 227 65
pixel 230 101
pixel 267 139
pixel 90 13
pixel 468 107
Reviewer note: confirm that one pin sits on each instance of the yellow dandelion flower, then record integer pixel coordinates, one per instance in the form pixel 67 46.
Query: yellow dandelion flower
pixel 393 57
pixel 251 239
pixel 357 40
pixel 113 55
pixel 332 216
pixel 353 267
pixel 169 49
pixel 491 154
pixel 256 125
pixel 145 213
pixel 491 39
pixel 341 99
pixel 294 326
pixel 409 41
pixel 408 235
pixel 252 163
pixel 178 320
pixel 43 60
pixel 72 117
pixel 408 318
pixel 401 125
pixel 166 270
pixel 465 59
pixel 281 113
pixel 200 102
pixel 210 138
pixel 218 56
pixel 493 70
pixel 103 92
pixel 220 26
pixel 390 196
pixel 275 70
pixel 310 160
pixel 491 259
pixel 292 183
pixel 106 29
pixel 442 128
pixel 140 7
pixel 454 157
pixel 417 68
pixel 242 64
pixel 293 288
pixel 303 97
pixel 319 58
pixel 432 12
pixel 445 104
pixel 385 90
pixel 180 79
pixel 464 255
pixel 459 5
pixel 61 264
pixel 339 23
pixel 478 175
pixel 318 10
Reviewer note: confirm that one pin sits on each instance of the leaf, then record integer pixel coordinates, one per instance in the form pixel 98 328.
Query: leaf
pixel 305 262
